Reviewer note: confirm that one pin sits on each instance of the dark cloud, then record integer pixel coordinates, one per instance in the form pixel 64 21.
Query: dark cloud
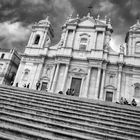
pixel 122 12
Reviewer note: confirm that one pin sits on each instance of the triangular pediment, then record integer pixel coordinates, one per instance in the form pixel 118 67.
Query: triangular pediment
pixel 87 22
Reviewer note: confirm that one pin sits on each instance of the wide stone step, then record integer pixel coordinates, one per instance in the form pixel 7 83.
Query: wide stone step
pixel 6 136
pixel 29 135
pixel 73 120
pixel 60 116
pixel 77 107
pixel 40 131
pixel 63 113
pixel 65 131
pixel 101 129
pixel 62 108
pixel 42 126
pixel 50 121
pixel 75 100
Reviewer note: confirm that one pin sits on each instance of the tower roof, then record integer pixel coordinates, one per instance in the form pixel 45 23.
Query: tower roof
pixel 136 26
pixel 44 21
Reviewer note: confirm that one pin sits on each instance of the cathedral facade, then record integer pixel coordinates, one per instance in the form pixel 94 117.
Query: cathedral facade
pixel 82 60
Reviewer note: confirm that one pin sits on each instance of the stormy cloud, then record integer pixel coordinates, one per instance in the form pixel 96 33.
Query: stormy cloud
pixel 17 17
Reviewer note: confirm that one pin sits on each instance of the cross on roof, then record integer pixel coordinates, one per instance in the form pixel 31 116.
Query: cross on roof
pixel 89 8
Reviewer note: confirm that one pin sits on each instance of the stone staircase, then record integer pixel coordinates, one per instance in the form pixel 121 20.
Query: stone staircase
pixel 31 115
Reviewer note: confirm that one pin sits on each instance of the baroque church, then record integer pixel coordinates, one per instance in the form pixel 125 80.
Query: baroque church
pixel 82 60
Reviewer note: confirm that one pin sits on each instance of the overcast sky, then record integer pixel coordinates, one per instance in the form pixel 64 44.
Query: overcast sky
pixel 17 17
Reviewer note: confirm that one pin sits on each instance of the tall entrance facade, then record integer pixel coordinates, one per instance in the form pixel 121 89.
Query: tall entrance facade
pixel 82 60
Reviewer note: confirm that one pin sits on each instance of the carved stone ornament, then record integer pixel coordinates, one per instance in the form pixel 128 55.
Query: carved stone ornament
pixel 48 71
pixel 122 48
pixel 78 70
pixel 106 46
pixel 45 78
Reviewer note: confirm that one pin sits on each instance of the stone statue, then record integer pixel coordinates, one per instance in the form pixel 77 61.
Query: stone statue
pixel 106 46
pixel 122 48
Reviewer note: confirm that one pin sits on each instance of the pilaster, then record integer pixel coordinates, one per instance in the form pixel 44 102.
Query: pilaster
pixel 65 39
pixel 97 83
pixel 87 83
pixel 120 65
pixel 103 83
pixel 52 77
pixel 55 77
pixel 73 38
pixel 65 77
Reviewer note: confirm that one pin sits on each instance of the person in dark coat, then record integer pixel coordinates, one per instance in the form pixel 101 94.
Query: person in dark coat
pixel 68 92
pixel 17 84
pixel 37 85
pixel 125 101
pixel 28 85
pixel 24 85
pixel 60 92
pixel 11 83
pixel 72 92
pixel 133 102
pixel 121 101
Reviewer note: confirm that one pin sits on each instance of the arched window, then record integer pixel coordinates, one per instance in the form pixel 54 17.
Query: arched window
pixel 137 47
pixel 26 75
pixel 137 89
pixel 37 38
pixel 2 56
pixel 83 43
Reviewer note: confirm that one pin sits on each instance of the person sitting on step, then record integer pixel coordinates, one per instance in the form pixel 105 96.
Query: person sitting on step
pixel 125 101
pixel 68 92
pixel 24 85
pixel 72 92
pixel 28 85
pixel 17 84
pixel 37 85
pixel 133 102
pixel 121 101
pixel 11 83
pixel 60 92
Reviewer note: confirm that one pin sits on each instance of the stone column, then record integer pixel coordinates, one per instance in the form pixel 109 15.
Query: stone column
pixel 65 39
pixel 65 77
pixel 73 38
pixel 97 83
pixel 19 73
pixel 43 39
pixel 87 83
pixel 55 77
pixel 52 78
pixel 119 82
pixel 95 40
pixel 102 85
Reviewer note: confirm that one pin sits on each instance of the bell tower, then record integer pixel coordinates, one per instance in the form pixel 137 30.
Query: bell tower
pixel 40 38
pixel 132 40
pixel 33 58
